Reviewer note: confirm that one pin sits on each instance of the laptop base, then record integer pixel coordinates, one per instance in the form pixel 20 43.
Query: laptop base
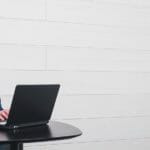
pixel 10 127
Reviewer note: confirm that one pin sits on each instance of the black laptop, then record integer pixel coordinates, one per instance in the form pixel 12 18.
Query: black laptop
pixel 31 105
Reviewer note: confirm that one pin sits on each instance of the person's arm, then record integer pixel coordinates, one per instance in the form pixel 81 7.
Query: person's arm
pixel 3 113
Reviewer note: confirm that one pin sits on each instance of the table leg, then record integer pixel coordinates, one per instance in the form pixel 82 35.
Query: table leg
pixel 16 146
pixel 11 146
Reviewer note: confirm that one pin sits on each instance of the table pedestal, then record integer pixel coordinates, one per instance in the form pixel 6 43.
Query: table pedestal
pixel 12 146
pixel 16 146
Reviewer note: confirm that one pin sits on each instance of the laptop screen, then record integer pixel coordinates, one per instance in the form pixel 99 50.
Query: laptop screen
pixel 32 104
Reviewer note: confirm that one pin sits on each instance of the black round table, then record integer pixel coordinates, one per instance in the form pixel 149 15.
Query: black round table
pixel 14 139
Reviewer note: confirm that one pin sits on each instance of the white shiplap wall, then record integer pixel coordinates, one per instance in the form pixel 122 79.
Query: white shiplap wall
pixel 98 50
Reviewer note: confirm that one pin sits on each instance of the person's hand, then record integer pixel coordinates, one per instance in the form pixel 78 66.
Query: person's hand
pixel 4 114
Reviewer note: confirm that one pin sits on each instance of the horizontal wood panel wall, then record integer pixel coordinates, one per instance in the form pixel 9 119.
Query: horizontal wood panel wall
pixel 98 50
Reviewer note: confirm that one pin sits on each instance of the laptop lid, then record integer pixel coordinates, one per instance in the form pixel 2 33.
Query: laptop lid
pixel 32 104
